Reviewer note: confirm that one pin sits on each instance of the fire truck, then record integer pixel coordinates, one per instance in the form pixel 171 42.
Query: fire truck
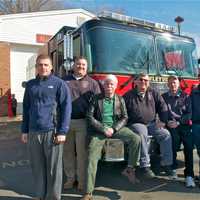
pixel 126 46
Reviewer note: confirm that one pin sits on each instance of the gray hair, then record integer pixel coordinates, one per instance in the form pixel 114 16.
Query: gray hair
pixel 140 75
pixel 111 77
pixel 172 77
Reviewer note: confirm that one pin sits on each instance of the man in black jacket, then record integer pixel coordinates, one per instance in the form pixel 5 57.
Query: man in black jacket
pixel 107 117
pixel 195 98
pixel 179 125
pixel 143 104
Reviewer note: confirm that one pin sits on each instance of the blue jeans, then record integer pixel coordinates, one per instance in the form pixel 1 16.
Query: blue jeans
pixel 162 137
pixel 196 136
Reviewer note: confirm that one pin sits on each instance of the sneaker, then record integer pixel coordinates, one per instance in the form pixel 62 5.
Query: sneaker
pixel 69 184
pixel 87 196
pixel 130 174
pixel 197 178
pixel 147 173
pixel 189 182
pixel 168 170
pixel 174 175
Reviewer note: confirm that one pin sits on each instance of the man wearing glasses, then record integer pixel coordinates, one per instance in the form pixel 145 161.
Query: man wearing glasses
pixel 144 105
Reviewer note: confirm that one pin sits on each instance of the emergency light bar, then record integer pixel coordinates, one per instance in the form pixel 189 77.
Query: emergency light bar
pixel 136 21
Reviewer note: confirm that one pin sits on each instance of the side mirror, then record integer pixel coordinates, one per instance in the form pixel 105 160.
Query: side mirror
pixel 68 50
pixel 24 84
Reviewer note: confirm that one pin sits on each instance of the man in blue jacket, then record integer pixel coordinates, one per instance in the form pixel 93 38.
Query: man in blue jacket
pixel 179 125
pixel 46 117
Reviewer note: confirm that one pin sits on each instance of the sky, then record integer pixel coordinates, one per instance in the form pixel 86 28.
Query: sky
pixel 160 11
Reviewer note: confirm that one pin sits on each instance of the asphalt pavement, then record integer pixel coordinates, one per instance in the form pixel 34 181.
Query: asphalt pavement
pixel 16 182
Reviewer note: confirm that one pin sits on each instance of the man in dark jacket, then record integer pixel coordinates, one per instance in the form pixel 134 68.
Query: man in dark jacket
pixel 143 104
pixel 46 118
pixel 107 117
pixel 195 98
pixel 82 89
pixel 179 125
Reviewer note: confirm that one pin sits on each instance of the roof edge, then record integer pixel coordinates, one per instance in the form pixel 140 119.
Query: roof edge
pixel 44 13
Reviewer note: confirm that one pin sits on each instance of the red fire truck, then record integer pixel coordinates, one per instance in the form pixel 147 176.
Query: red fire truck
pixel 125 46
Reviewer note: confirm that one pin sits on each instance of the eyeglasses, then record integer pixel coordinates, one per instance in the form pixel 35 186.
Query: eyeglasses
pixel 145 80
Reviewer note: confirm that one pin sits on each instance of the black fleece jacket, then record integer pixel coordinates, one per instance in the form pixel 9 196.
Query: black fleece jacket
pixel 144 109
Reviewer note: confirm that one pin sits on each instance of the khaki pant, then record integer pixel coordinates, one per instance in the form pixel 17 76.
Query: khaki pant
pixel 75 153
pixel 95 151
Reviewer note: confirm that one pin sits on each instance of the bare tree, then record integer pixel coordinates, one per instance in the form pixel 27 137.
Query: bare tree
pixel 118 10
pixel 20 6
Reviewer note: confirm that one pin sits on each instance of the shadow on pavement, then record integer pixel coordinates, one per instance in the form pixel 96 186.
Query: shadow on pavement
pixel 14 198
pixel 10 129
pixel 112 195
pixel 121 183
pixel 70 198
pixel 74 195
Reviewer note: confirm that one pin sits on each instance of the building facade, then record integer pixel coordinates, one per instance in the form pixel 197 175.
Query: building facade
pixel 21 37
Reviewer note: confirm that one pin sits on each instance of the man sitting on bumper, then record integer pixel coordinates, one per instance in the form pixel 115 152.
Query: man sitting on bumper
pixel 107 117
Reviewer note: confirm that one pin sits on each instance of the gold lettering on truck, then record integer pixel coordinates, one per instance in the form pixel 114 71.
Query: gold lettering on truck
pixel 158 78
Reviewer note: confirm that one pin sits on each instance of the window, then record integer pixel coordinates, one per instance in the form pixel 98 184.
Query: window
pixel 54 60
pixel 119 51
pixel 60 54
pixel 176 56
pixel 76 46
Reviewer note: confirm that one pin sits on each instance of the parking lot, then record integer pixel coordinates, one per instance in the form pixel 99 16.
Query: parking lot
pixel 16 182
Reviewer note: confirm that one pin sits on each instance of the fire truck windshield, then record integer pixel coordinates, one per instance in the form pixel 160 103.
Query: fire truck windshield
pixel 118 51
pixel 122 51
pixel 176 56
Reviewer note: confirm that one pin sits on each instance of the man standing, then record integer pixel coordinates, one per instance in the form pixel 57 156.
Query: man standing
pixel 143 104
pixel 179 125
pixel 107 117
pixel 195 97
pixel 46 117
pixel 82 90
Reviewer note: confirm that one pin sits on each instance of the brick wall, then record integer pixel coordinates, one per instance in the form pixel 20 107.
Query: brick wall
pixel 4 77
